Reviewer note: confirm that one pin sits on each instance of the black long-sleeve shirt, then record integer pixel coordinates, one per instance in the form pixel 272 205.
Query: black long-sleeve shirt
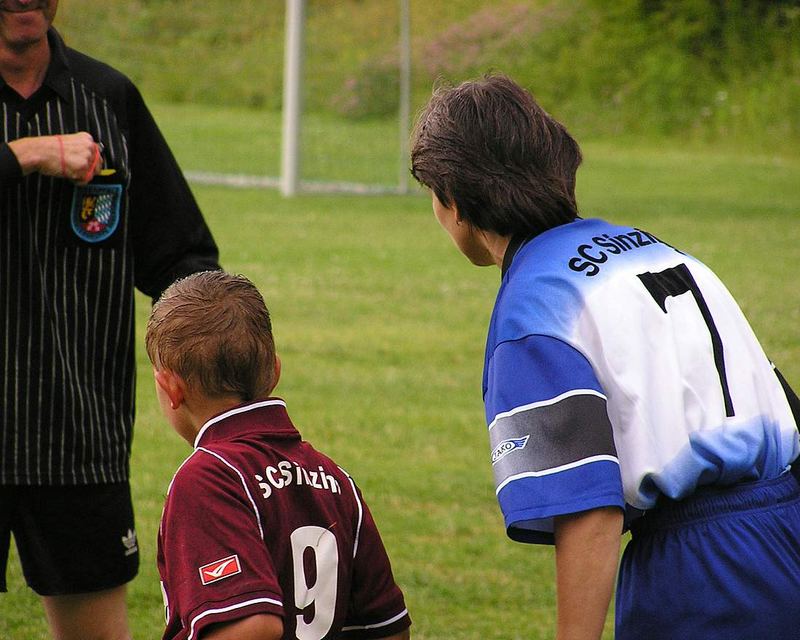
pixel 70 257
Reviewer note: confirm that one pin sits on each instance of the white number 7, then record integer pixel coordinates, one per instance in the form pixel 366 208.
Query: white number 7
pixel 322 593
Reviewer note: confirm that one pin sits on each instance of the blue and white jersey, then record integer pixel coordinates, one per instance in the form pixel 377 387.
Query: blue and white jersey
pixel 619 369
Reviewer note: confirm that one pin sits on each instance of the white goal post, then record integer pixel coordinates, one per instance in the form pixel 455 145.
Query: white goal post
pixel 292 97
pixel 290 180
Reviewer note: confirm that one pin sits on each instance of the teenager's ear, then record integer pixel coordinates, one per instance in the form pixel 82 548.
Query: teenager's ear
pixel 172 385
pixel 446 214
pixel 455 213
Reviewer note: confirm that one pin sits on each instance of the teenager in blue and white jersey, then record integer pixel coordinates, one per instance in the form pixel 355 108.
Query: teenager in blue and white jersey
pixel 623 387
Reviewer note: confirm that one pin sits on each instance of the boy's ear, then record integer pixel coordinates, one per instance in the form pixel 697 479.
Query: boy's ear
pixel 172 385
pixel 277 373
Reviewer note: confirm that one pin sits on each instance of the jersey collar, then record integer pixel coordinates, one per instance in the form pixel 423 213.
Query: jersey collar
pixel 516 243
pixel 264 415
pixel 511 250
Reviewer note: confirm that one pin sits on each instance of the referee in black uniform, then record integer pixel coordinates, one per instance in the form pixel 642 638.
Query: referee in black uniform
pixel 92 204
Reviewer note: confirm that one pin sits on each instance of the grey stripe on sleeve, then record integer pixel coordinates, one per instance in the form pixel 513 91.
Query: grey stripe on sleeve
pixel 543 437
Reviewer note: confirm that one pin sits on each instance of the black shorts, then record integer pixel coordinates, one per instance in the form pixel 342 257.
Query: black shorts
pixel 74 539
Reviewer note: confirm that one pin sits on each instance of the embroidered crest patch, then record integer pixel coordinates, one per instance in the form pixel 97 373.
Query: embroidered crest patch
pixel 95 211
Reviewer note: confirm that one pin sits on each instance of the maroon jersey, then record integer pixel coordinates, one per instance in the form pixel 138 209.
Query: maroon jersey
pixel 257 521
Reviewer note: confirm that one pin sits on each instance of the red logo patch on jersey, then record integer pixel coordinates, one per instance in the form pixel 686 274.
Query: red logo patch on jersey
pixel 220 569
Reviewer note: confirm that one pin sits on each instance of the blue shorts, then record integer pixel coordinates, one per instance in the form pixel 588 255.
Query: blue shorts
pixel 723 564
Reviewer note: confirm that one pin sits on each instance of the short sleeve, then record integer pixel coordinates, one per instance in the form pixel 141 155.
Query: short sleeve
pixel 213 562
pixel 553 450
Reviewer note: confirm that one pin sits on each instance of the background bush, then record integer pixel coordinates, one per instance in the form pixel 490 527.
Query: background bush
pixel 708 70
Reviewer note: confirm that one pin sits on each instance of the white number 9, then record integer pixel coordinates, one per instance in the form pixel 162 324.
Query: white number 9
pixel 322 593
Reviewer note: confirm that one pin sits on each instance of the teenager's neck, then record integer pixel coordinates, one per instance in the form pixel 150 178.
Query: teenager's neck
pixel 24 69
pixel 496 246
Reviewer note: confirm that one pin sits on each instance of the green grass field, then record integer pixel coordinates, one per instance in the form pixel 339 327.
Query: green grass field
pixel 380 325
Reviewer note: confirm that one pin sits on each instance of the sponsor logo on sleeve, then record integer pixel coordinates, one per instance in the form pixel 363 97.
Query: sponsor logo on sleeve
pixel 507 446
pixel 220 569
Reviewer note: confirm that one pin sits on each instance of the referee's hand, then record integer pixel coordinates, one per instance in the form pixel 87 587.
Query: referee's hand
pixel 74 156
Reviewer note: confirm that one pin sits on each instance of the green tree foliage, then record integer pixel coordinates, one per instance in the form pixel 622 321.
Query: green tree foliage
pixel 700 69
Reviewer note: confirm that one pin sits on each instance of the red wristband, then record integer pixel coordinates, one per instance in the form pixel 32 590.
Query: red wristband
pixel 90 173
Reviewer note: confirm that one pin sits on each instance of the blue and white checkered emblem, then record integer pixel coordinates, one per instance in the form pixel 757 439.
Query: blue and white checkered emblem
pixel 507 446
pixel 95 211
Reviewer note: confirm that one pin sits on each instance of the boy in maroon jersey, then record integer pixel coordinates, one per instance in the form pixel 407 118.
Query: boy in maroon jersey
pixel 262 537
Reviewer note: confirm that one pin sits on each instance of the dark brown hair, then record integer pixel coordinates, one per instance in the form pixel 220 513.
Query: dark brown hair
pixel 214 330
pixel 488 148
